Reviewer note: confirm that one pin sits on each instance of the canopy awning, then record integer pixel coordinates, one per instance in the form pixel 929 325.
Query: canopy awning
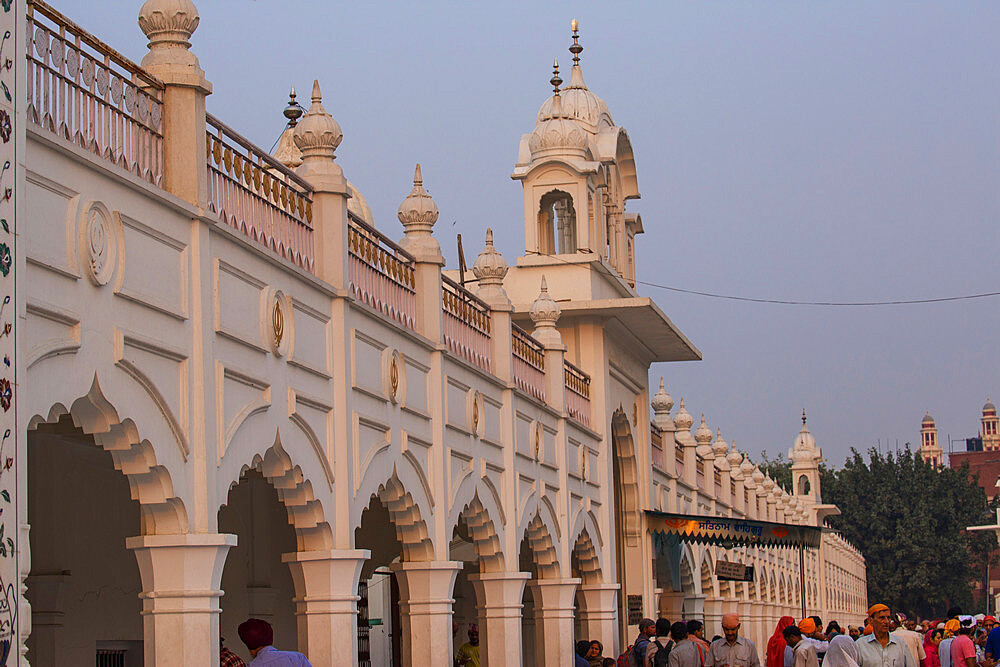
pixel 731 532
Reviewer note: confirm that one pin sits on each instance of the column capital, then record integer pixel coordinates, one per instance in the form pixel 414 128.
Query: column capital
pixel 554 594
pixel 326 602
pixel 425 600
pixel 181 586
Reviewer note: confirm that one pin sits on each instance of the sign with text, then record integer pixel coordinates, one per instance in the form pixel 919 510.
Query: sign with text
pixel 634 609
pixel 732 531
pixel 726 571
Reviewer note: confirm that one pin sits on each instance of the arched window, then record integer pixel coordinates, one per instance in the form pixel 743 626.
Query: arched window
pixel 556 224
pixel 804 486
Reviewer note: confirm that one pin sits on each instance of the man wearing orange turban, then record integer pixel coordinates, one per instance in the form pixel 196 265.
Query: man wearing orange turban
pixel 880 647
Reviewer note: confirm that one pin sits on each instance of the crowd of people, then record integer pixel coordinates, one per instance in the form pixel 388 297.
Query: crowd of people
pixel 885 640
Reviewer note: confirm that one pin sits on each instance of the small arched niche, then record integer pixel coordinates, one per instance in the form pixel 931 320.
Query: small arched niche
pixel 556 223
pixel 804 486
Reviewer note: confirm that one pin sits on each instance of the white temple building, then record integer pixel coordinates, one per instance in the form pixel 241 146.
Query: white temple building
pixel 238 395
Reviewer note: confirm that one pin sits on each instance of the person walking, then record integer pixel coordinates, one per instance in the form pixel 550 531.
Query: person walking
pixel 637 655
pixel 732 650
pixel 468 653
pixel 258 636
pixel 944 648
pixel 805 652
pixel 880 648
pixel 227 658
pixel 595 656
pixel 843 652
pixel 658 651
pixel 963 651
pixel 931 642
pixel 685 652
pixel 914 642
pixel 696 633
pixel 779 653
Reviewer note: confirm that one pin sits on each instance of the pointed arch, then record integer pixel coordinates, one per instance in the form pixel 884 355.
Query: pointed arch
pixel 483 534
pixel 628 482
pixel 538 536
pixel 305 511
pixel 707 580
pixel 586 555
pixel 150 484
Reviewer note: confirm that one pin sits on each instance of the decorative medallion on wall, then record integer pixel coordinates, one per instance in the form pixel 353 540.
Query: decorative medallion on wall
pixel 538 441
pixel 99 242
pixel 475 413
pixel 277 322
pixel 393 374
pixel 635 414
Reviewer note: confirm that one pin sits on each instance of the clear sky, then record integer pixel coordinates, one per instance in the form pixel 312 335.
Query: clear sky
pixel 789 150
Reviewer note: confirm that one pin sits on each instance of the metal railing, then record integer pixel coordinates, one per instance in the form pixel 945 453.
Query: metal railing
pixel 656 452
pixel 529 363
pixel 699 467
pixel 577 393
pixel 381 273
pixel 83 90
pixel 678 459
pixel 466 324
pixel 258 196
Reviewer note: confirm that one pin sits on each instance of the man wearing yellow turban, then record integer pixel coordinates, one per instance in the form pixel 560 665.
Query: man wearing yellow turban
pixel 881 649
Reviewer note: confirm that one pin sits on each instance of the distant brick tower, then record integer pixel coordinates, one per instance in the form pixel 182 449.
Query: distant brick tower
pixel 988 428
pixel 930 451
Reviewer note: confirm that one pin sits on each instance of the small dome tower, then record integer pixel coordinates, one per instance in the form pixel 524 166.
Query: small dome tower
pixel 989 427
pixel 805 457
pixel 929 450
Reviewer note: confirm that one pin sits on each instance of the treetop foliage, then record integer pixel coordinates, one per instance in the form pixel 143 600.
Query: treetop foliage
pixel 909 521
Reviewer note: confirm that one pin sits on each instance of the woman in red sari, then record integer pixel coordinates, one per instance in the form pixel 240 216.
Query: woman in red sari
pixel 776 644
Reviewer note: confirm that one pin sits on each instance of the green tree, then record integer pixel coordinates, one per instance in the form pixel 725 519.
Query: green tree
pixel 909 521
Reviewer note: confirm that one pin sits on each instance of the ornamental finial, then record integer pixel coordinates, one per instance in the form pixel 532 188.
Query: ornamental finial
pixel 576 49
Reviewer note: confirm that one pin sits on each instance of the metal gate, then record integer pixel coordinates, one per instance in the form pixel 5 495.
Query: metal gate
pixel 364 644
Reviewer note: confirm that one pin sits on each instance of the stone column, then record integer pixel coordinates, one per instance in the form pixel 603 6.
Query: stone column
pixel 326 603
pixel 713 618
pixel 598 605
pixel 169 24
pixel 553 600
pixel 425 600
pixel 498 601
pixel 46 616
pixel 181 577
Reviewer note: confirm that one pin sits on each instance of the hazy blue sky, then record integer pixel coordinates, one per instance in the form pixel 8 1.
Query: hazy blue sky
pixel 792 150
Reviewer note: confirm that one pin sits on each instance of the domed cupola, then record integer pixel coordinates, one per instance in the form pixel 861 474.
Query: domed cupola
pixel 555 134
pixel 804 448
pixel 578 102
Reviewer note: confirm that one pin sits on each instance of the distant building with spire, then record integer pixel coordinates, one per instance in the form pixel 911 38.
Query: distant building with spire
pixel 982 452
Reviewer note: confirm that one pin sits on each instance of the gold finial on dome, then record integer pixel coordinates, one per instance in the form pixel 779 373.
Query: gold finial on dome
pixel 803 416
pixel 575 49
pixel 294 110
pixel 555 80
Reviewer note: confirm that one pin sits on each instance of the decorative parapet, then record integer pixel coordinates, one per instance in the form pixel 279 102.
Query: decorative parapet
pixel 529 363
pixel 466 326
pixel 84 91
pixel 257 195
pixel 381 273
pixel 578 393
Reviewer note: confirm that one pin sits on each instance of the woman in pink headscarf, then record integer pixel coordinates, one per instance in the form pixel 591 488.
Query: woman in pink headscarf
pixel 932 638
